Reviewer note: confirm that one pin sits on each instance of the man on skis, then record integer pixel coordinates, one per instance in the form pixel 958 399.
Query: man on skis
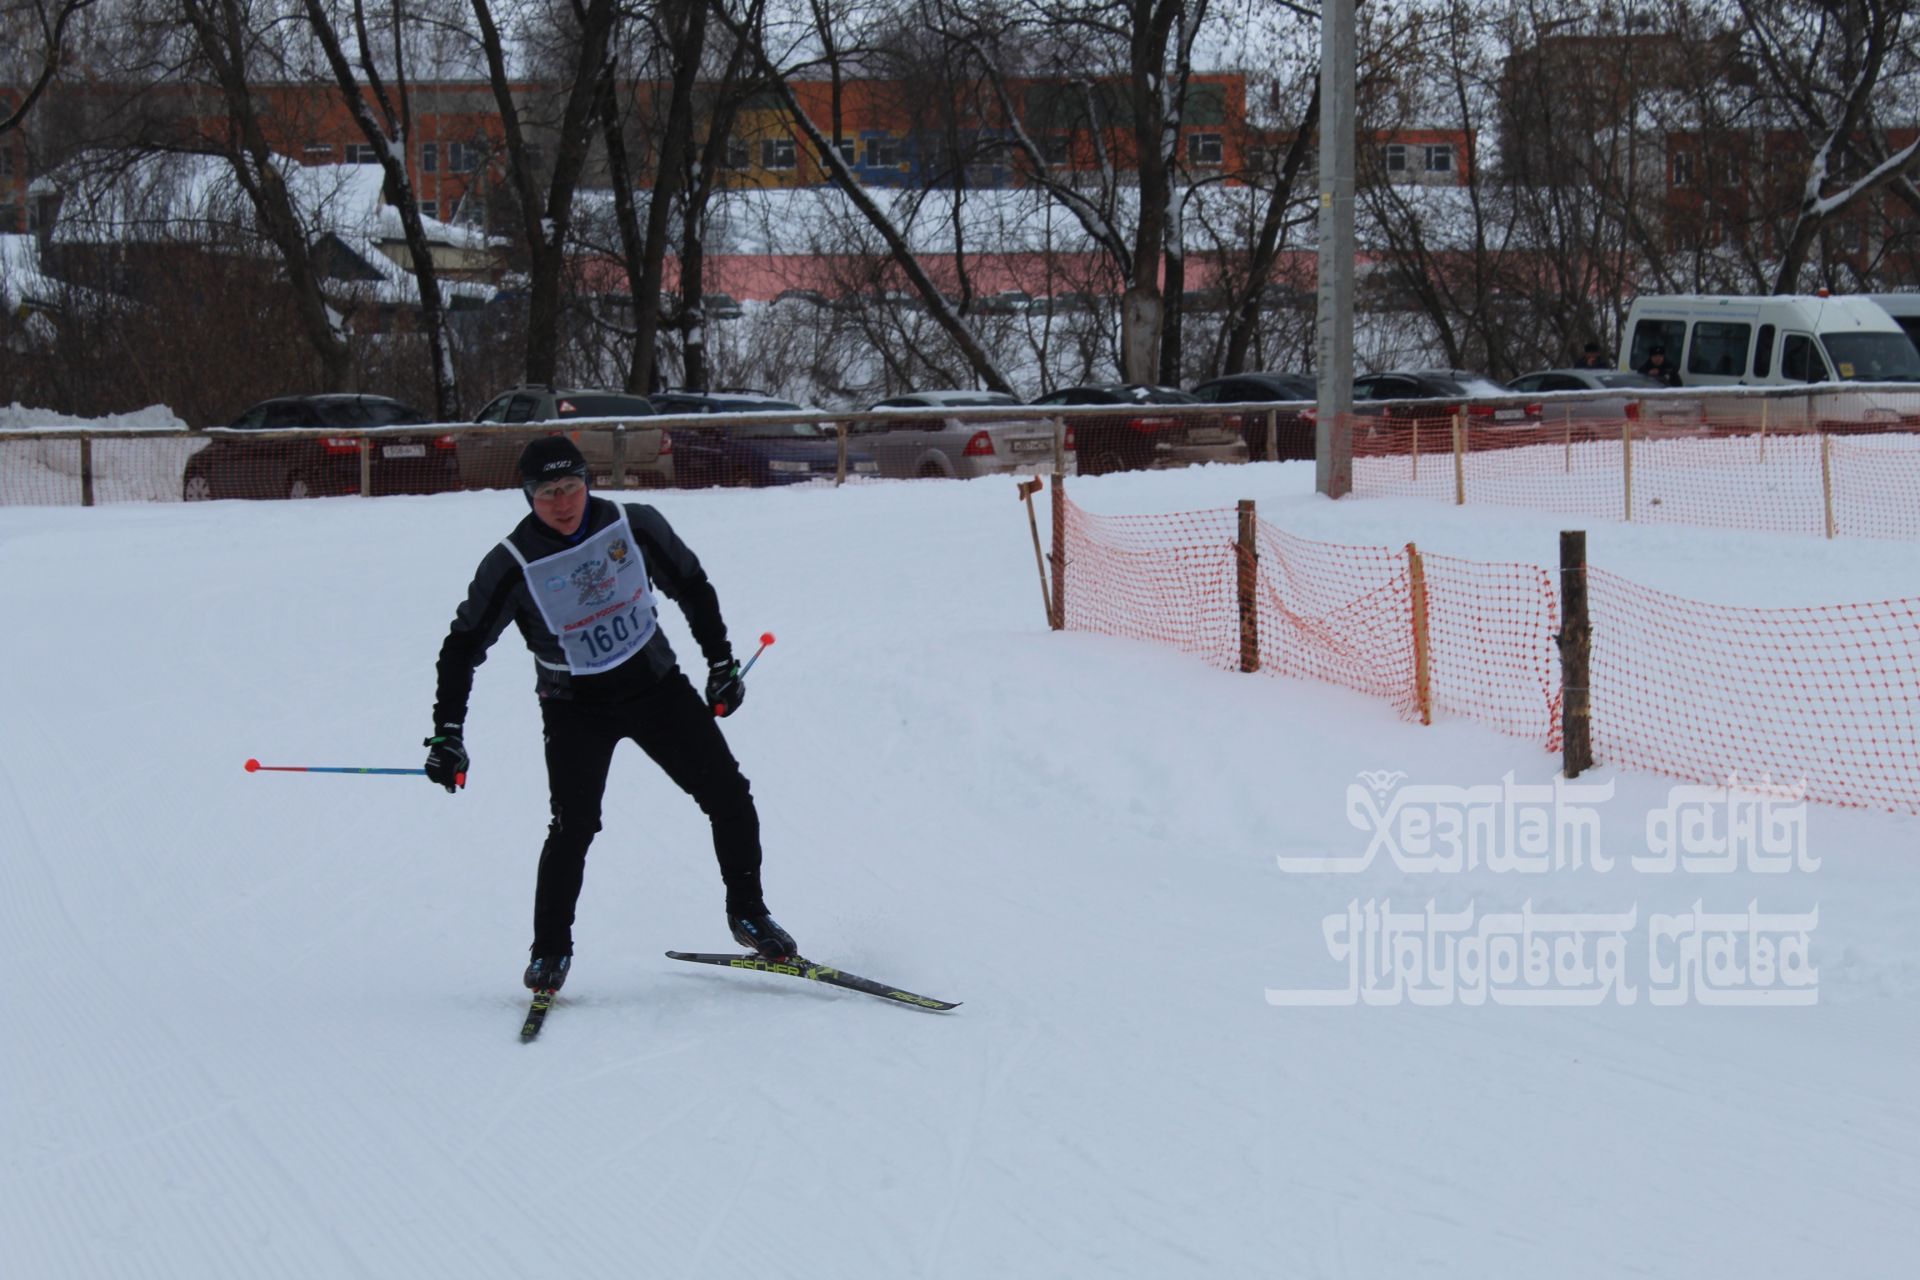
pixel 577 576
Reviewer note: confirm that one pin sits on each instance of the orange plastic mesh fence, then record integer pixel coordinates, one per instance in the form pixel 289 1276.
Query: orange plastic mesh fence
pixel 1743 469
pixel 1338 614
pixel 1342 615
pixel 1493 653
pixel 1697 691
pixel 1702 691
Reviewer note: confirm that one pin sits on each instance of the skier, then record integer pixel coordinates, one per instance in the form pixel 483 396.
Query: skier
pixel 585 568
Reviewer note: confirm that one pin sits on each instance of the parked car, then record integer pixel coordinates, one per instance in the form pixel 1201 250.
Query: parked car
pixel 238 464
pixel 757 453
pixel 1427 399
pixel 961 448
pixel 1135 437
pixel 1292 428
pixel 492 462
pixel 1611 396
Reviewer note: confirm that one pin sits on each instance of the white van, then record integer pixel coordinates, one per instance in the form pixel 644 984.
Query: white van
pixel 1769 341
pixel 1905 310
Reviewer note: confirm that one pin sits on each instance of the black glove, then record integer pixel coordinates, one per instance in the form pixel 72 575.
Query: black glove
pixel 447 758
pixel 725 689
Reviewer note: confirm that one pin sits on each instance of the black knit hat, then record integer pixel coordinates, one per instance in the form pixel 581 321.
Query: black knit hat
pixel 550 458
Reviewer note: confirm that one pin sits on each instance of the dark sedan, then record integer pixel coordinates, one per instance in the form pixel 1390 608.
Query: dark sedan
pixel 1135 438
pixel 1292 428
pixel 239 463
pixel 1386 404
pixel 756 452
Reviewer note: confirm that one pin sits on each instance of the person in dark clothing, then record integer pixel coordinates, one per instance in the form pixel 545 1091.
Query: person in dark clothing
pixel 1592 358
pixel 1657 367
pixel 577 576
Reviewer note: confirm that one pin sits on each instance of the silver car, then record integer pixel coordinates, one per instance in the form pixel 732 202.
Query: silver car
pixel 931 446
pixel 648 460
pixel 1609 397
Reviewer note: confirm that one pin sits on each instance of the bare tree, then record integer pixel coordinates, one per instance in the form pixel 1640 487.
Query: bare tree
pixel 547 216
pixel 389 137
pixel 37 29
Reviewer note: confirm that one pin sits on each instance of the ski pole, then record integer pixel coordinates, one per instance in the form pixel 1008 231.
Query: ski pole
pixel 766 638
pixel 254 766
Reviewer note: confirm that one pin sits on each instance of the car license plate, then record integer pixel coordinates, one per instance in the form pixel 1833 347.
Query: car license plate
pixel 1209 437
pixel 1508 415
pixel 1039 444
pixel 404 451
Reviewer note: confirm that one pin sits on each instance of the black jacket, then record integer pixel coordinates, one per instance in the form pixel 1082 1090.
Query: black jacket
pixel 498 595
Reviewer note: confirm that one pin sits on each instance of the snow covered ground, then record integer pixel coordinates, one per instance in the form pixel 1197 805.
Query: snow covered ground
pixel 264 1025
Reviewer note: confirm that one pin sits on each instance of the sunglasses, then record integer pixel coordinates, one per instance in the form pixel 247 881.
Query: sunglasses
pixel 554 490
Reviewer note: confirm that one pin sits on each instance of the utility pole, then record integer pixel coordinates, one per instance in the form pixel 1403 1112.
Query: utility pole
pixel 1333 433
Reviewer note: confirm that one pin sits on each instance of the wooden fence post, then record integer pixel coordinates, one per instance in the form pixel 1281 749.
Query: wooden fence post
pixel 1626 465
pixel 1416 451
pixel 618 480
pixel 1422 652
pixel 1059 619
pixel 840 465
pixel 86 470
pixel 1459 456
pixel 1826 478
pixel 1248 551
pixel 1576 651
pixel 1273 445
pixel 366 467
pixel 1765 404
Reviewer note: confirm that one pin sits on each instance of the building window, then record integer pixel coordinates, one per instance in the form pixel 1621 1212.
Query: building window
pixel 430 209
pixel 1731 173
pixel 9 217
pixel 882 153
pixel 1054 148
pixel 1396 157
pixel 849 151
pixel 6 162
pixel 776 153
pixel 1440 157
pixel 362 153
pixel 317 153
pixel 1205 149
pixel 465 157
pixel 1683 168
pixel 736 157
pixel 430 157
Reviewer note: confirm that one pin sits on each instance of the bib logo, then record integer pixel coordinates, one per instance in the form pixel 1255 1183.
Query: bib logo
pixel 617 551
pixel 556 583
pixel 595 582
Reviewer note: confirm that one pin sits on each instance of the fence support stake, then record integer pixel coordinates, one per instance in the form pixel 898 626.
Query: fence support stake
pixel 1626 464
pixel 86 471
pixel 1459 456
pixel 1764 406
pixel 1027 489
pixel 1826 478
pixel 1273 445
pixel 366 467
pixel 1249 557
pixel 619 477
pixel 1416 451
pixel 1422 653
pixel 840 464
pixel 1059 618
pixel 1576 651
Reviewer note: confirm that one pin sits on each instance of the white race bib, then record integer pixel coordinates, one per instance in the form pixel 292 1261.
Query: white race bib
pixel 595 597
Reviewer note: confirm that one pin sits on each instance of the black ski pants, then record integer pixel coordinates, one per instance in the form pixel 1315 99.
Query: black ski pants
pixel 678 731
